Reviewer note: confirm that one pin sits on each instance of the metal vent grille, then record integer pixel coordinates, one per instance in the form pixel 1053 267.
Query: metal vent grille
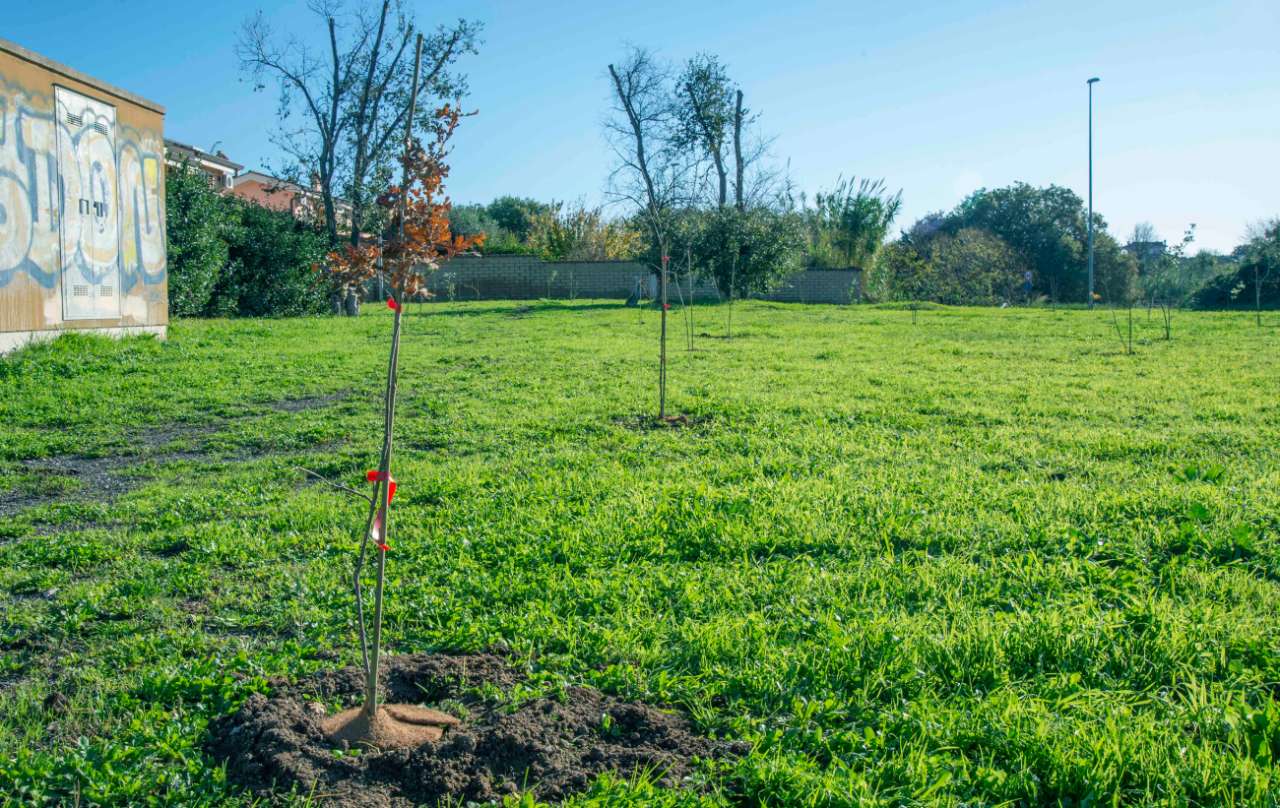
pixel 79 290
pixel 104 291
pixel 75 120
pixel 100 127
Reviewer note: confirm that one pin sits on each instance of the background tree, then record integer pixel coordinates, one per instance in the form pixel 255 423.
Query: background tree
pixel 1145 246
pixel 974 268
pixel 970 267
pixel 1144 233
pixel 342 105
pixel 1262 262
pixel 378 104
pixel 1046 226
pixel 516 215
pixel 651 172
pixel 900 272
pixel 578 233
pixel 707 119
pixel 1251 277
pixel 475 219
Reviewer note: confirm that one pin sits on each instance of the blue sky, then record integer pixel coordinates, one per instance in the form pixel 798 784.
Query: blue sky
pixel 937 97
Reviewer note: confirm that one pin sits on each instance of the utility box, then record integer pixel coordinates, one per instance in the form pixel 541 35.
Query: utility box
pixel 82 223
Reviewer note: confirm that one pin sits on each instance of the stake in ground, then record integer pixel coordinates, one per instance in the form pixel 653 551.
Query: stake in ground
pixel 986 558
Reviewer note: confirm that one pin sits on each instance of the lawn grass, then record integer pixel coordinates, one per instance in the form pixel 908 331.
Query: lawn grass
pixel 983 558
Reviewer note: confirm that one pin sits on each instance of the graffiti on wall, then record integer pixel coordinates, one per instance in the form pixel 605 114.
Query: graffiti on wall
pixel 42 174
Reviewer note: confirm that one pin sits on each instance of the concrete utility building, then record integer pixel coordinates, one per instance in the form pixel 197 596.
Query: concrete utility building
pixel 82 227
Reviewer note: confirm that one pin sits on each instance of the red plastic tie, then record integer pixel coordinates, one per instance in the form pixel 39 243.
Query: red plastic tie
pixel 392 304
pixel 373 476
pixel 384 548
pixel 666 306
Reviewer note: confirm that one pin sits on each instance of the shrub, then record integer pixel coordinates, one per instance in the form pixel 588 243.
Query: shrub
pixel 899 272
pixel 229 257
pixel 745 252
pixel 269 272
pixel 847 227
pixel 197 224
pixel 972 268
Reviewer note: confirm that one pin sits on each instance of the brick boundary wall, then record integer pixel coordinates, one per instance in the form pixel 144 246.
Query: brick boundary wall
pixel 527 277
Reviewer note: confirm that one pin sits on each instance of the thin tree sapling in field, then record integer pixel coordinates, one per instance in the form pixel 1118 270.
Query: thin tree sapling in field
pixel 419 243
pixel 1166 283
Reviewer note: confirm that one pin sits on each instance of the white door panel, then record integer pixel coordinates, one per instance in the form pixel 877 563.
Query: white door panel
pixel 90 221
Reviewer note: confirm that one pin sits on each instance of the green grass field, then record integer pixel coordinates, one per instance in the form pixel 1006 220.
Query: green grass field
pixel 984 558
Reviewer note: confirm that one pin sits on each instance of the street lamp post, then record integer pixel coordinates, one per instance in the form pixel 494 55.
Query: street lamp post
pixel 1091 82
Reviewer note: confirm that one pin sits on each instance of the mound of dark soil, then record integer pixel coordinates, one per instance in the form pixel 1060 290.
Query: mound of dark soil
pixel 554 747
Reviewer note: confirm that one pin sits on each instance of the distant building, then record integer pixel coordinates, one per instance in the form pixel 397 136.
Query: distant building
pixel 221 171
pixel 1146 251
pixel 304 204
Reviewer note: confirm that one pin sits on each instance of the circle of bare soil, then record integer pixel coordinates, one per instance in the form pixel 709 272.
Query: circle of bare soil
pixel 554 747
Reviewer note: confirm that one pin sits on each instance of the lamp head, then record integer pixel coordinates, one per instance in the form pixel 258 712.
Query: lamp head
pixel 1093 80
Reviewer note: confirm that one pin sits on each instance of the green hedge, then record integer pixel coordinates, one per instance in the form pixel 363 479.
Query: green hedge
pixel 232 258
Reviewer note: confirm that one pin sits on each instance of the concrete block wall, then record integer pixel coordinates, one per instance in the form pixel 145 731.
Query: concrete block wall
pixel 819 286
pixel 526 277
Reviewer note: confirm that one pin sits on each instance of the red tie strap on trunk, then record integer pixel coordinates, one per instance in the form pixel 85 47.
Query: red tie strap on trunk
pixel 374 476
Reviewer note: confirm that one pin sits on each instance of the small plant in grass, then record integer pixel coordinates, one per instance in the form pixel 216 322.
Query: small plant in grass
pixel 1166 283
pixel 1122 293
pixel 419 214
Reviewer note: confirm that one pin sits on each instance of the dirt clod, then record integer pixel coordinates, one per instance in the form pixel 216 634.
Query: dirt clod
pixel 552 746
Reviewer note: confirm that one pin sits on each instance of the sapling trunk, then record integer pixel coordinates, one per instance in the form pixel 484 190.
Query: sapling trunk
pixel 733 281
pixel 384 517
pixel 1115 321
pixel 662 341
pixel 688 268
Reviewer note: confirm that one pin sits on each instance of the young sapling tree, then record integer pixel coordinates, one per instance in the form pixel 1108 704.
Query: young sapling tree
pixel 1263 257
pixel 419 243
pixel 662 338
pixel 1166 281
